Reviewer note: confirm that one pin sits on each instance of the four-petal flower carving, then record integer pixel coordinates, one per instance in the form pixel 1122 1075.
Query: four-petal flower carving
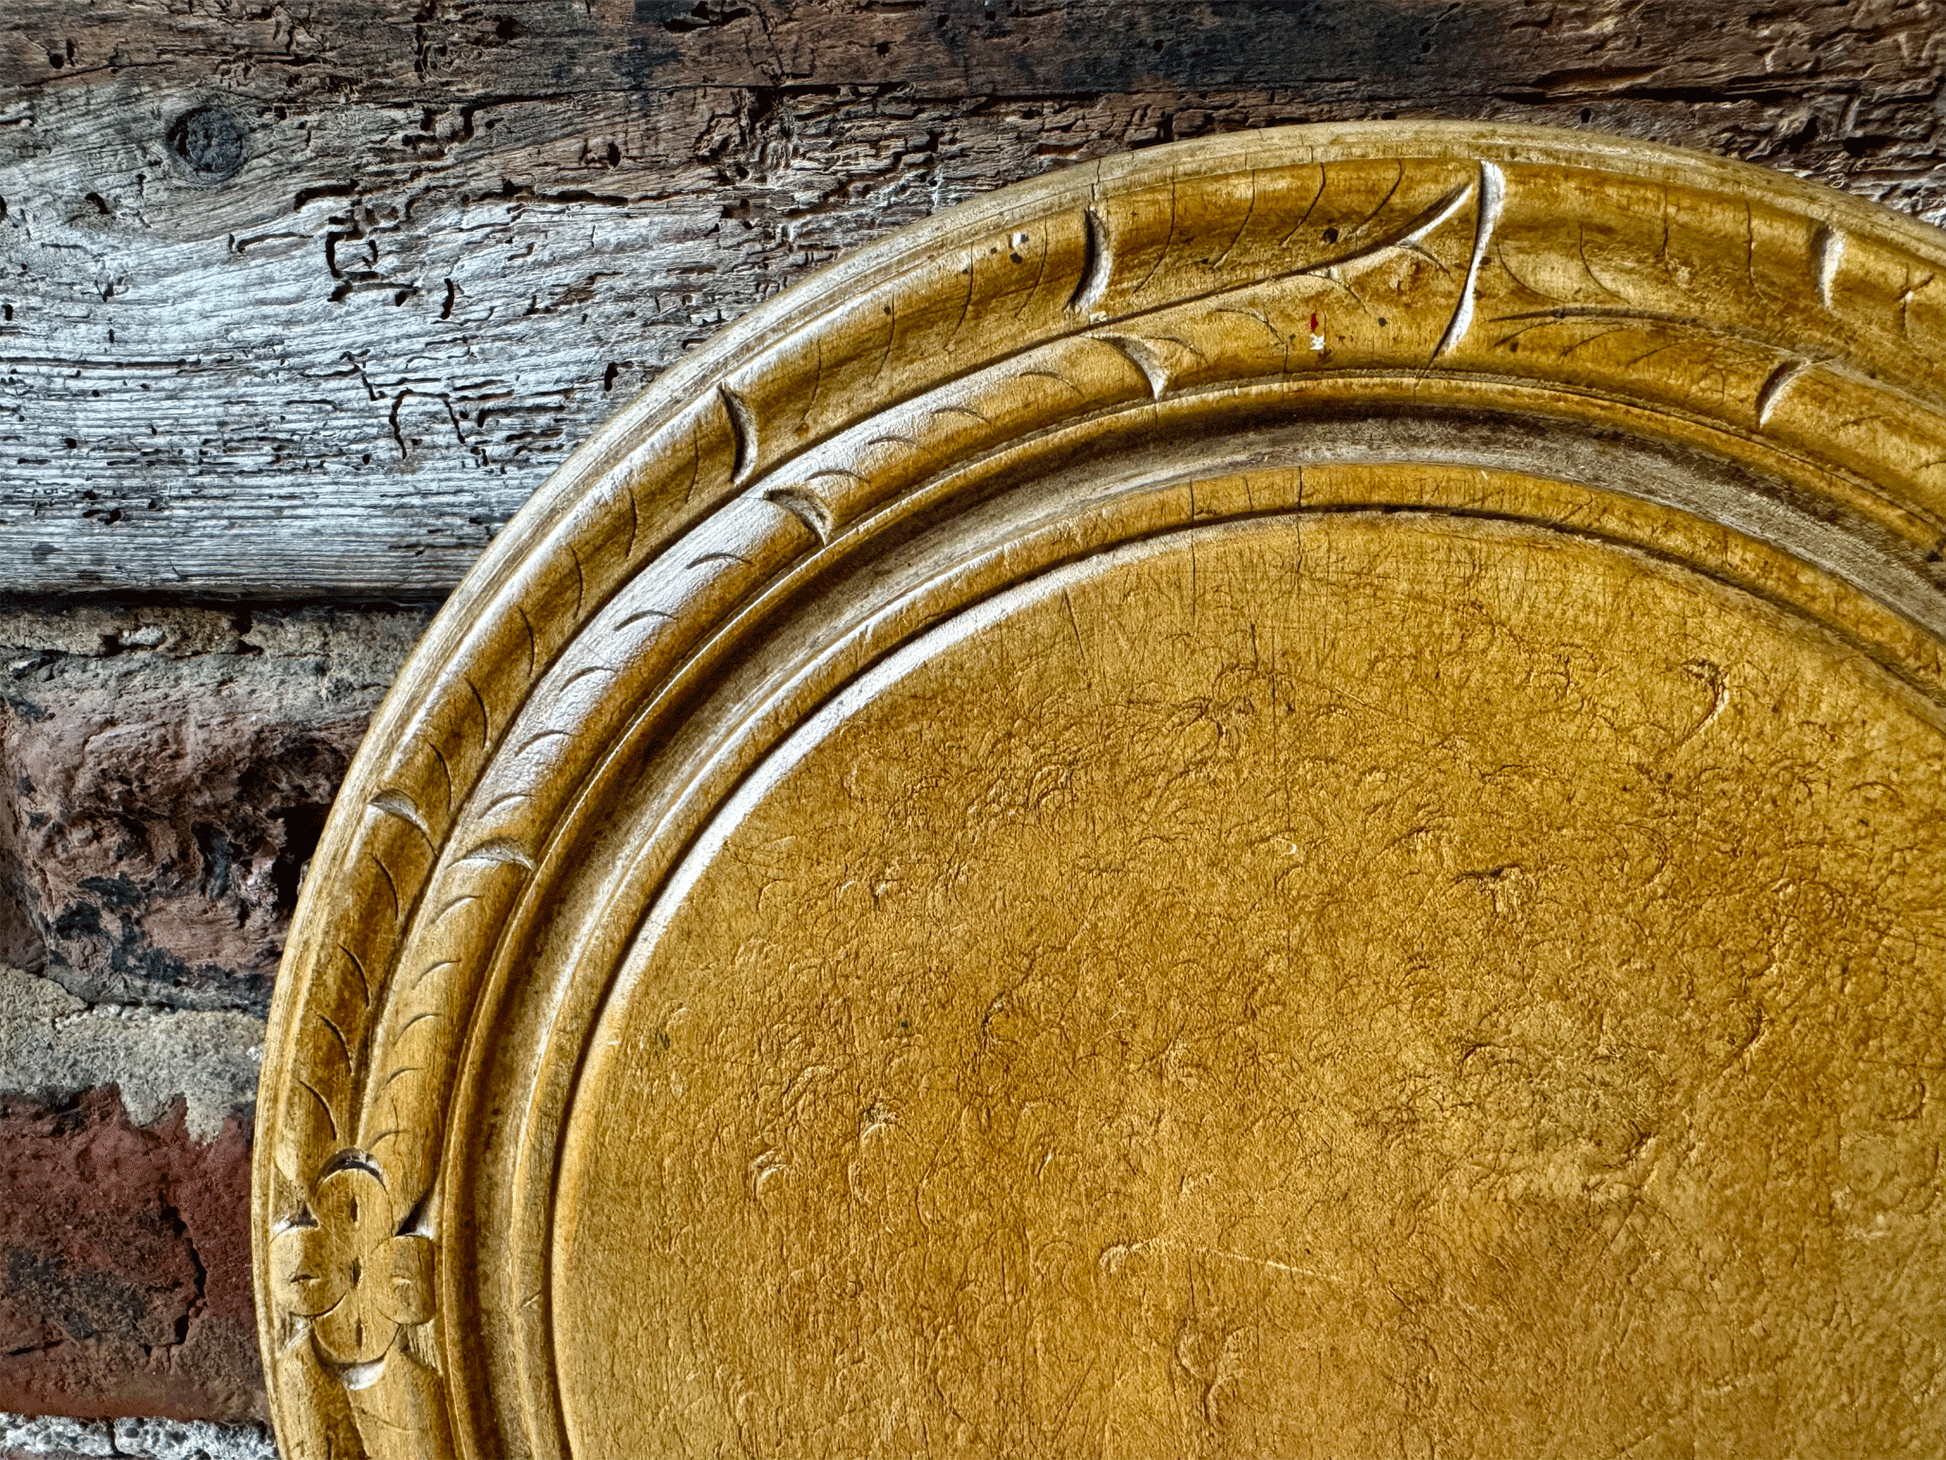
pixel 351 1271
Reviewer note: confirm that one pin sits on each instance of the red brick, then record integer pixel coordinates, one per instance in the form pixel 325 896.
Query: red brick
pixel 126 1255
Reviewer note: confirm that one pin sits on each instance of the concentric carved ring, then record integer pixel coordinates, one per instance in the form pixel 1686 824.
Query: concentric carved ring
pixel 1702 393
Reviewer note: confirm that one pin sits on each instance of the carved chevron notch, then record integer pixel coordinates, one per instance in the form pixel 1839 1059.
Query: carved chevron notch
pixel 1775 384
pixel 743 432
pixel 398 804
pixel 1144 356
pixel 1827 253
pixel 809 508
pixel 1097 262
pixel 1492 189
pixel 500 849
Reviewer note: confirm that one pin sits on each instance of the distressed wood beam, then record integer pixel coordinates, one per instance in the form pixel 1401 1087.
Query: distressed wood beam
pixel 305 301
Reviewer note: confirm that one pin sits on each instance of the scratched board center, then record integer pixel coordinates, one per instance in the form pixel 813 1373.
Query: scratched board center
pixel 1285 797
pixel 1206 989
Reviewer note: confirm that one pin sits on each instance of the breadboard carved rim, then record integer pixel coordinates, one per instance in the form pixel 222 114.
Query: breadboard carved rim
pixel 1794 328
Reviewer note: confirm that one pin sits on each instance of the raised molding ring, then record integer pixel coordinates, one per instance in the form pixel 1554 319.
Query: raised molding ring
pixel 1556 338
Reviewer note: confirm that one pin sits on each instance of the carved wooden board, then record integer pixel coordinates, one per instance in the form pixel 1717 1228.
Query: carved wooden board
pixel 1283 797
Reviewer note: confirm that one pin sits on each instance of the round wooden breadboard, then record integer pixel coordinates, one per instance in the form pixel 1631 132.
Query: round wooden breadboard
pixel 1283 797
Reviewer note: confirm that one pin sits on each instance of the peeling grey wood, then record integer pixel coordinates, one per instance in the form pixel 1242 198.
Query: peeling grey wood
pixel 308 300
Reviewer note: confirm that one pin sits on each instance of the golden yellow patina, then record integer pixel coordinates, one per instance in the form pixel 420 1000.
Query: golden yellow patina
pixel 1304 987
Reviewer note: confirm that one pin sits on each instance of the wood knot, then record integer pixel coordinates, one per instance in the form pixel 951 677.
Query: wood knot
pixel 209 142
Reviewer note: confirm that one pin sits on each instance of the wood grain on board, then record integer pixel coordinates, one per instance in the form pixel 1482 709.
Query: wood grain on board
pixel 307 299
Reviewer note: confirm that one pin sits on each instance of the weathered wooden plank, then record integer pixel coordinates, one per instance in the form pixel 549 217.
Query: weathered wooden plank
pixel 309 301
pixel 1408 49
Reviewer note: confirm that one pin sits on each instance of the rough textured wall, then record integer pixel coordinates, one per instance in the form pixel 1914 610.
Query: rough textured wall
pixel 166 769
pixel 298 302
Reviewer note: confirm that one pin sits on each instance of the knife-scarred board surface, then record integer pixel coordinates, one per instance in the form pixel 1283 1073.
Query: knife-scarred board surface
pixel 1286 798
pixel 1211 1001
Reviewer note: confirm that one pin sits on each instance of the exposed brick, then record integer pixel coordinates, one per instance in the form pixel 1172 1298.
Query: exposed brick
pixel 126 1260
pixel 49 1437
pixel 164 774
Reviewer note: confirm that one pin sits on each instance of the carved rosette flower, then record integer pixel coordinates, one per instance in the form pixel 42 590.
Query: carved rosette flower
pixel 350 1270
